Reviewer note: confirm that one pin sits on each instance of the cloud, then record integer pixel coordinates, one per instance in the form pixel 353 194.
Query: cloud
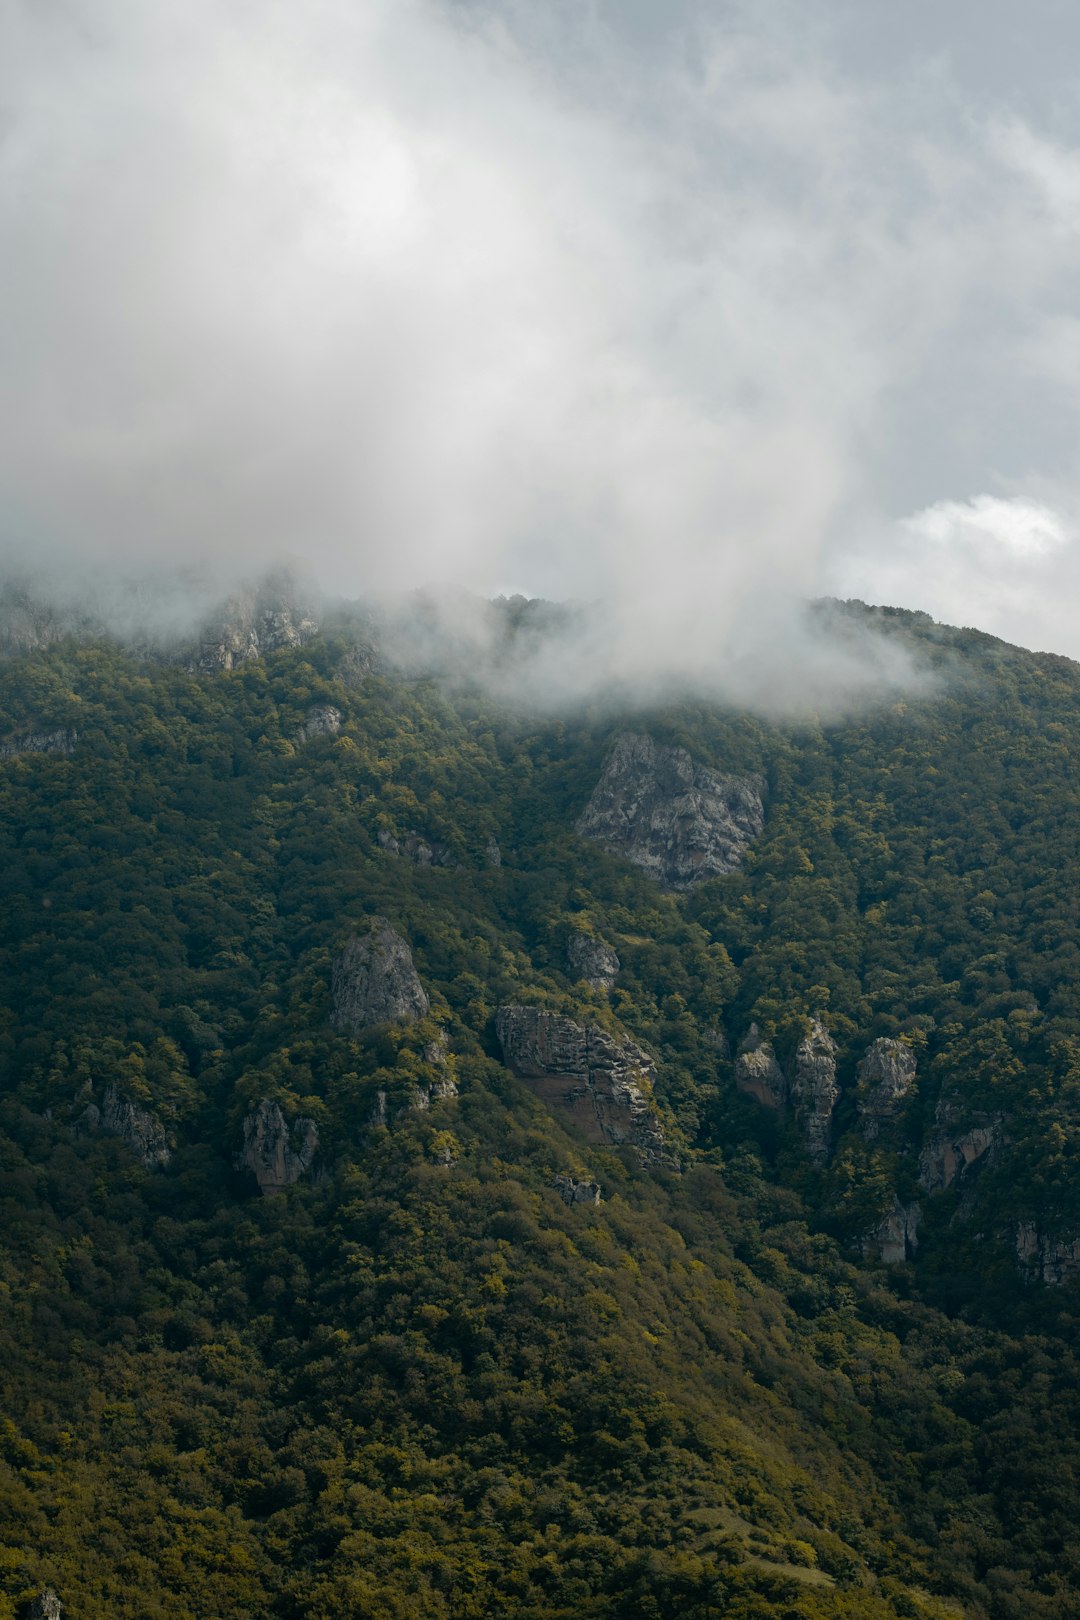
pixel 672 309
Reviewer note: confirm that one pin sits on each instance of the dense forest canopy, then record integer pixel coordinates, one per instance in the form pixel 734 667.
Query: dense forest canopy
pixel 421 1380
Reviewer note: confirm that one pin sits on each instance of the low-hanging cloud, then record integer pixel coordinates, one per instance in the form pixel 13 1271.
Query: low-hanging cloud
pixel 676 317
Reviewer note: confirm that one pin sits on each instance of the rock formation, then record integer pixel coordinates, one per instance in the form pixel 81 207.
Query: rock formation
pixel 757 1073
pixel 322 721
pixel 374 981
pixel 886 1075
pixel 592 960
pixel 276 1154
pixel 46 1606
pixel 814 1090
pixel 492 852
pixel 893 1240
pixel 1040 1258
pixel 143 1133
pixel 679 821
pixel 420 851
pixel 577 1192
pixel 595 1081
pixel 39 742
pixel 277 613
pixel 950 1151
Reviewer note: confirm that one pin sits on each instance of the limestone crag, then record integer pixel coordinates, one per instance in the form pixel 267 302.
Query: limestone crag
pixel 322 721
pixel 143 1133
pixel 492 852
pixel 276 1153
pixel 421 851
pixel 681 822
pixel 814 1090
pixel 757 1073
pixel 39 742
pixel 886 1075
pixel 950 1151
pixel 591 959
pixel 276 614
pixel 594 1080
pixel 46 1606
pixel 894 1239
pixel 1045 1259
pixel 577 1192
pixel 444 1089
pixel 374 981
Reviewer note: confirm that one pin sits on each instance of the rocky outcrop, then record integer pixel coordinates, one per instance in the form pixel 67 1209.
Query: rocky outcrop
pixel 681 822
pixel 894 1239
pixel 420 851
pixel 591 959
pixel 757 1073
pixel 275 614
pixel 492 853
pixel 951 1150
pixel 814 1090
pixel 886 1075
pixel 577 1192
pixel 593 1080
pixel 322 721
pixel 1044 1259
pixel 143 1133
pixel 39 742
pixel 276 1153
pixel 443 1089
pixel 46 1606
pixel 374 981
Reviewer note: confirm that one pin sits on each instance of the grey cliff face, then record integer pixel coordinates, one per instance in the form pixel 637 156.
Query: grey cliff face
pixel 39 742
pixel 894 1239
pixel 886 1075
pixel 814 1090
pixel 679 821
pixel 1044 1259
pixel 142 1132
pixel 46 1606
pixel 255 623
pixel 492 852
pixel 577 1192
pixel 374 981
pixel 420 851
pixel 952 1149
pixel 322 721
pixel 596 1081
pixel 757 1073
pixel 592 960
pixel 276 1154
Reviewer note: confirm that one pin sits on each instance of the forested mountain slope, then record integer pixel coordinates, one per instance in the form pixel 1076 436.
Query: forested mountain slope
pixel 572 1293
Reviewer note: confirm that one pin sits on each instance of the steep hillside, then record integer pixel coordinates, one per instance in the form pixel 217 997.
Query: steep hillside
pixel 457 1162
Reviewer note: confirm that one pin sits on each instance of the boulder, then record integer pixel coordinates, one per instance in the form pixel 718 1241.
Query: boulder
pixel 757 1073
pixel 886 1075
pixel 374 981
pixel 681 822
pixel 814 1090
pixel 591 959
pixel 598 1082
pixel 276 1153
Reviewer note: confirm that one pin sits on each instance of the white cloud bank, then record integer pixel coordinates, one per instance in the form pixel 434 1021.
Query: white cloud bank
pixel 675 315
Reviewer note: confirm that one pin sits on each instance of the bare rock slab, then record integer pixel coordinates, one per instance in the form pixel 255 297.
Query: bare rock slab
pixel 598 1082
pixel 680 821
pixel 374 981
pixel 277 1154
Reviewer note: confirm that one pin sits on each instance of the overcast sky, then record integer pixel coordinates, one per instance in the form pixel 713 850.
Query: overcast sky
pixel 690 306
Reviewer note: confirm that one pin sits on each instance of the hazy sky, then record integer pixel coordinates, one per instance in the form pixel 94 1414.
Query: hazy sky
pixel 692 306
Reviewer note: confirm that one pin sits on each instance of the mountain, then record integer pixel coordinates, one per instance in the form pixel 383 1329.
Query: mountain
pixel 458 1160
